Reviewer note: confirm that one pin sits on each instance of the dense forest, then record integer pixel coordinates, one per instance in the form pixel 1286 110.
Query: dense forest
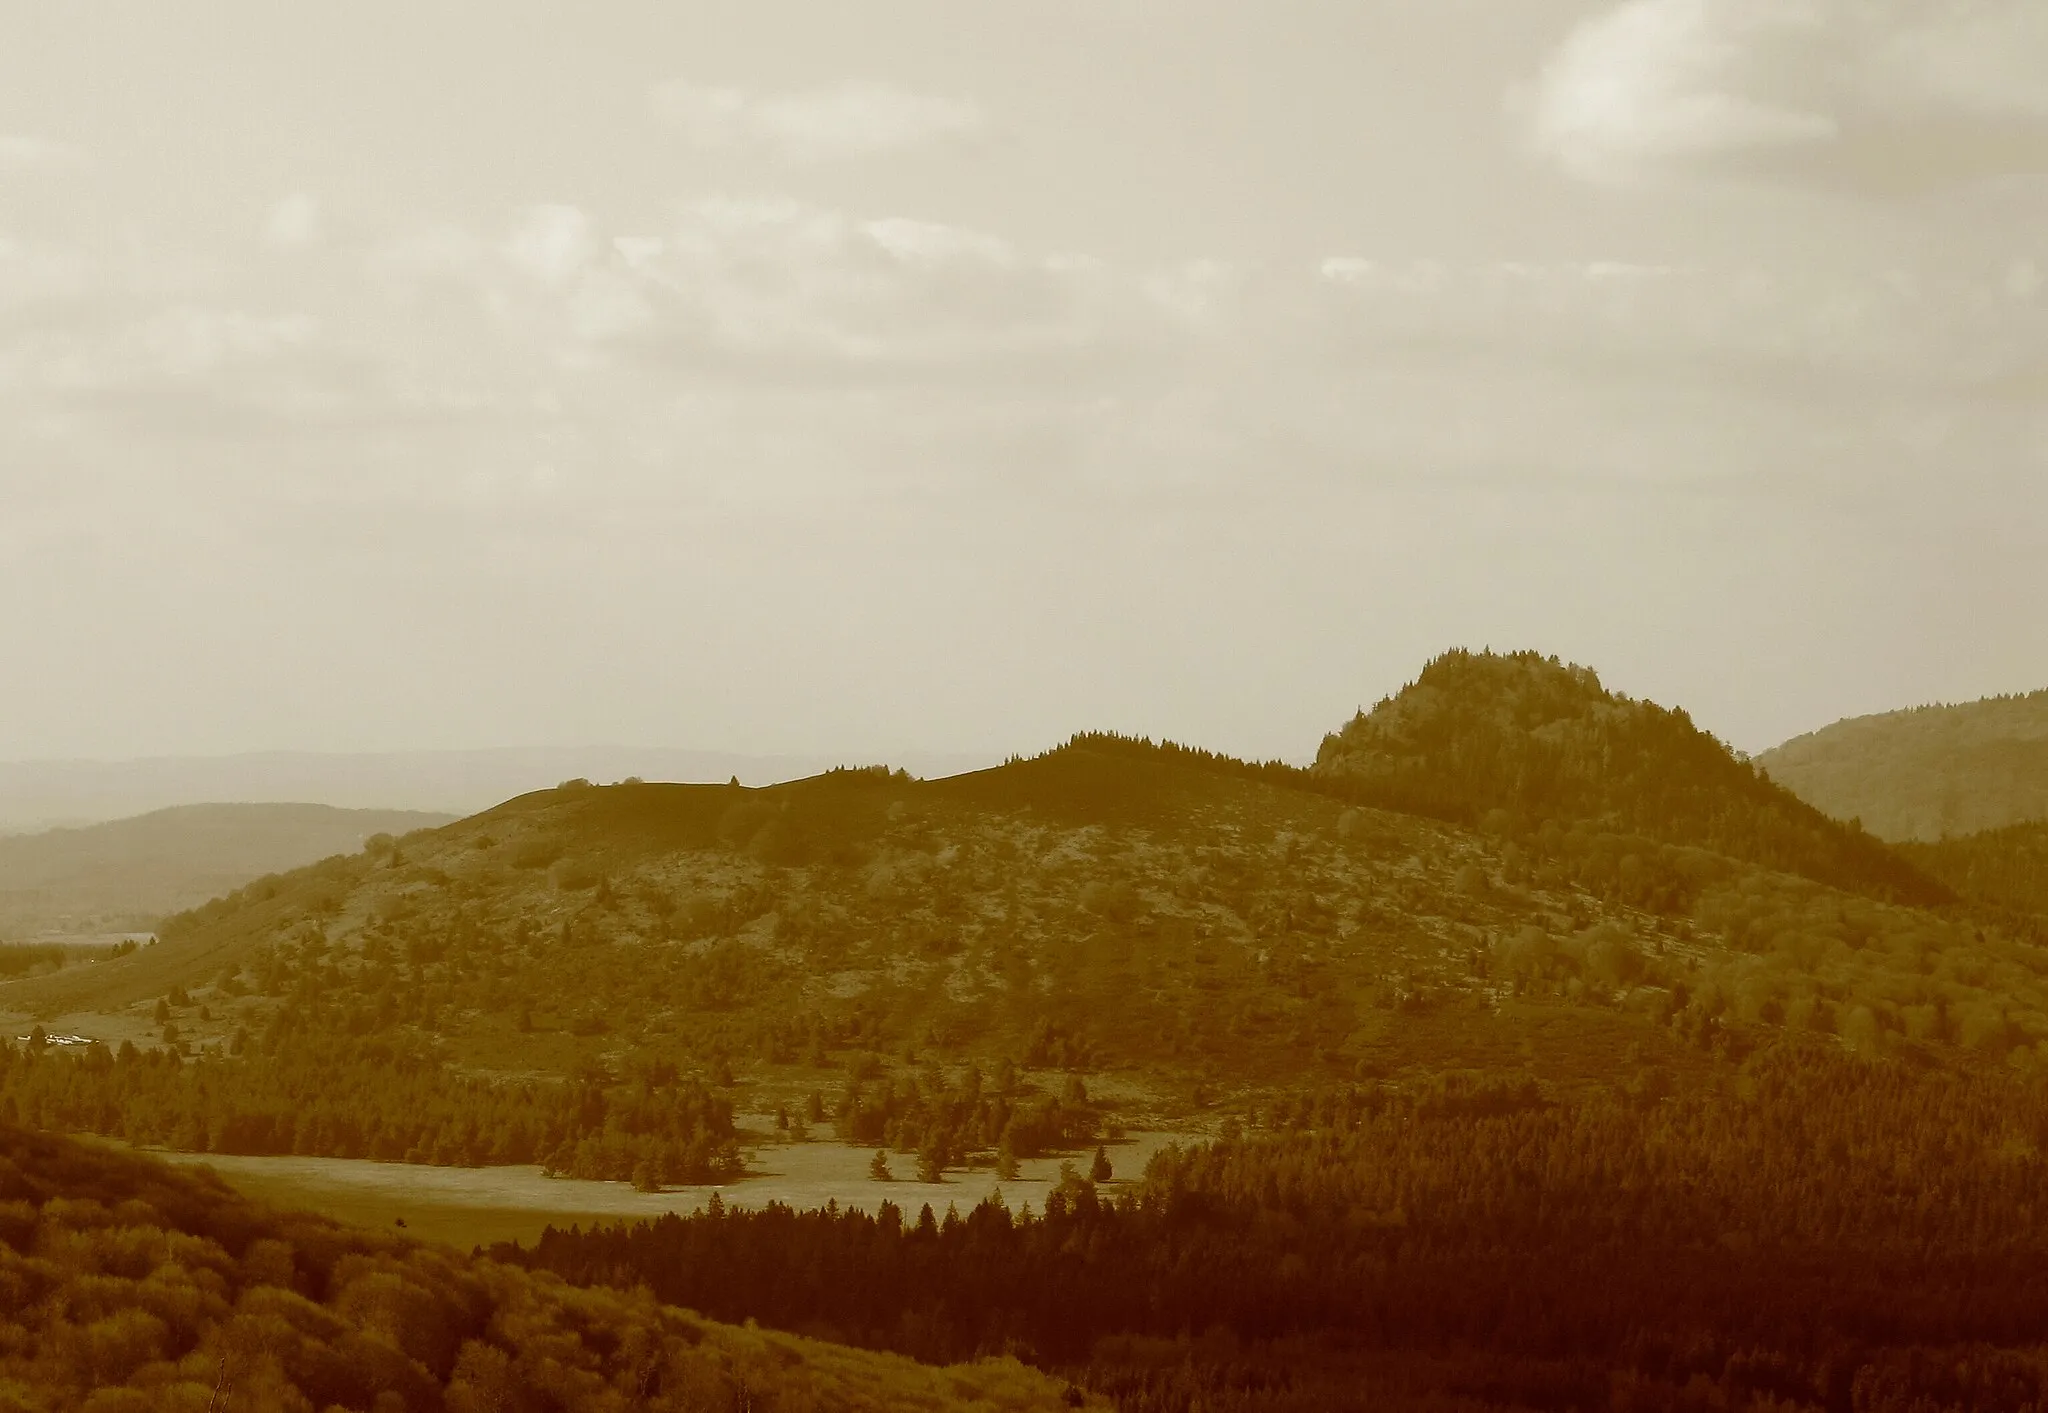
pixel 1928 772
pixel 1805 1231
pixel 302 1089
pixel 128 1287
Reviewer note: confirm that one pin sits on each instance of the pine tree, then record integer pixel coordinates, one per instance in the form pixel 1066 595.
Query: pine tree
pixel 1099 1170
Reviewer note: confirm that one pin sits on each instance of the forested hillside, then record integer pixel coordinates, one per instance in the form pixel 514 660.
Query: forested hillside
pixel 1520 739
pixel 128 1287
pixel 592 977
pixel 125 875
pixel 1926 772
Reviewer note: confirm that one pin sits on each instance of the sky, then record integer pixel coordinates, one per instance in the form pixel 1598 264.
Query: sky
pixel 799 377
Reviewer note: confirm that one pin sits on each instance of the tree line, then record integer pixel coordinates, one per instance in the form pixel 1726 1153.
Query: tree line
pixel 304 1089
pixel 1812 1231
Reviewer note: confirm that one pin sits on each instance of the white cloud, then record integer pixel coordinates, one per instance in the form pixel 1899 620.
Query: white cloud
pixel 294 221
pixel 843 121
pixel 23 152
pixel 1196 294
pixel 1879 96
pixel 786 288
pixel 553 243
pixel 766 346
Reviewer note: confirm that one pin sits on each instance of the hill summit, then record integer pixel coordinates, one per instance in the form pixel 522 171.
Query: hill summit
pixel 1512 741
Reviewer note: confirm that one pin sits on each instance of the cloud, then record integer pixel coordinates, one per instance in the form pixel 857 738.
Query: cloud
pixel 1876 97
pixel 552 243
pixel 24 152
pixel 844 121
pixel 777 289
pixel 769 350
pixel 294 221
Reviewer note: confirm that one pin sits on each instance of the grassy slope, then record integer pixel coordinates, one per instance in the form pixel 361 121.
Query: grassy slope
pixel 1928 771
pixel 127 1286
pixel 128 873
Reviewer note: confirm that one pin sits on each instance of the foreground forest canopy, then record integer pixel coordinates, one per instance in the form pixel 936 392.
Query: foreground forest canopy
pixel 1927 772
pixel 128 1287
pixel 1504 867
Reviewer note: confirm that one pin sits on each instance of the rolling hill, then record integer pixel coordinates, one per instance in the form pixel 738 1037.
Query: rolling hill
pixel 592 977
pixel 1926 772
pixel 127 874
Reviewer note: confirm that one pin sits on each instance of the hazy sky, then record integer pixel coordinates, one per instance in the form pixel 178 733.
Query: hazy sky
pixel 785 377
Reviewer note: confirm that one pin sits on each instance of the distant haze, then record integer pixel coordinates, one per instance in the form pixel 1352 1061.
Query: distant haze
pixel 41 794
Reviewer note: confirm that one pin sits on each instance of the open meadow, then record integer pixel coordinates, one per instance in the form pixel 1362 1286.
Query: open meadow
pixel 467 1207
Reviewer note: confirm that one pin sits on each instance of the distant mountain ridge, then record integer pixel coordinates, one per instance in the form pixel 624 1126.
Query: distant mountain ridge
pixel 1926 772
pixel 43 794
pixel 128 873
